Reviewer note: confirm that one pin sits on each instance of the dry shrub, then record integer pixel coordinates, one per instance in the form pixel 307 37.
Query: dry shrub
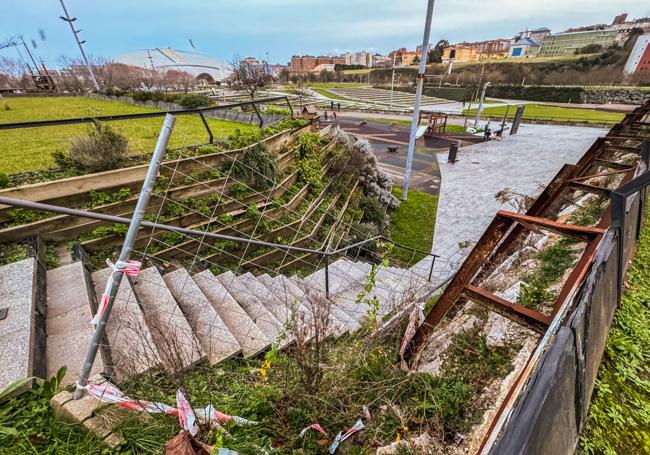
pixel 102 149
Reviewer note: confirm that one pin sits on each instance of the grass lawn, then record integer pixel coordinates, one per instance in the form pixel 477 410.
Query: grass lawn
pixel 412 224
pixel 327 85
pixel 330 95
pixel 619 421
pixel 539 111
pixel 449 129
pixel 29 149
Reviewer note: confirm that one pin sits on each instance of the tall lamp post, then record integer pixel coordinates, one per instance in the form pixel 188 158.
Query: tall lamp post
pixel 75 33
pixel 392 85
pixel 418 97
pixel 480 104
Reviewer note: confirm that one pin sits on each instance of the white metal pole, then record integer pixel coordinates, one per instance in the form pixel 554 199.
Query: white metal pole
pixel 418 97
pixel 392 85
pixel 70 21
pixel 480 105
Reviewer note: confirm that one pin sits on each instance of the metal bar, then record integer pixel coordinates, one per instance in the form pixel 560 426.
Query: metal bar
pixel 207 127
pixel 108 118
pixel 507 309
pixel 583 233
pixel 289 104
pixel 259 116
pixel 602 174
pixel 132 233
pixel 612 164
pixel 418 98
pixel 327 277
pixel 433 261
pixel 589 188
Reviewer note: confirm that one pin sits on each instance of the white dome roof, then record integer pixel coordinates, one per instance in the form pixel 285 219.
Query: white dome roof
pixel 165 58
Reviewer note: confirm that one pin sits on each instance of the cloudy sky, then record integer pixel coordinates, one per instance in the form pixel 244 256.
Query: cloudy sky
pixel 285 27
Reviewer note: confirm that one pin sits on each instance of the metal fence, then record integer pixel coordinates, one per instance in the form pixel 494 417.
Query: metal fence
pixel 552 409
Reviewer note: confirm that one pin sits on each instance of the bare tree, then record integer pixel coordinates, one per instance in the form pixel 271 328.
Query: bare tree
pixel 12 71
pixel 249 76
pixel 299 89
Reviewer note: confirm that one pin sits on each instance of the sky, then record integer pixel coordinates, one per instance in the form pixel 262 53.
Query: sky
pixel 282 28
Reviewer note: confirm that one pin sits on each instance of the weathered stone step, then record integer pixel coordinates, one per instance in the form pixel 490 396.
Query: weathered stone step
pixel 213 334
pixel 262 317
pixel 251 339
pixel 178 347
pixel 277 307
pixel 22 330
pixel 68 327
pixel 131 344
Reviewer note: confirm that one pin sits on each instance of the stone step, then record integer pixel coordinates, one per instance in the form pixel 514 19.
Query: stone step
pixel 68 326
pixel 257 311
pixel 131 344
pixel 22 330
pixel 277 307
pixel 249 336
pixel 178 347
pixel 213 334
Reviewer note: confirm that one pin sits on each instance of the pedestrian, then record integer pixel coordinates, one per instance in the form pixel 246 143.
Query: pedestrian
pixel 334 115
pixel 339 107
pixel 486 132
pixel 332 105
pixel 326 116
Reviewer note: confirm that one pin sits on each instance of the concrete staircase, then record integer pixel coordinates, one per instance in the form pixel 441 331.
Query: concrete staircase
pixel 176 320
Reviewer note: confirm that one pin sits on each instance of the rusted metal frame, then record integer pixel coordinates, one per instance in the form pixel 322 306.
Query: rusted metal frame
pixel 480 253
pixel 589 188
pixel 603 174
pixel 583 233
pixel 612 164
pixel 520 314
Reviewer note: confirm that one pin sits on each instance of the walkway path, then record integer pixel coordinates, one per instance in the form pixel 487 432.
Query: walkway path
pixel 525 162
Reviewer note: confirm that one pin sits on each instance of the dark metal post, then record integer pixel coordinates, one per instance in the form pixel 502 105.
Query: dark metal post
pixel 433 261
pixel 327 276
pixel 517 120
pixel 207 127
pixel 259 116
pixel 453 151
pixel 134 227
pixel 289 104
pixel 617 206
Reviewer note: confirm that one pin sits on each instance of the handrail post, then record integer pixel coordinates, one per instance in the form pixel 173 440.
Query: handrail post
pixel 207 127
pixel 327 276
pixel 433 261
pixel 290 106
pixel 127 247
pixel 259 116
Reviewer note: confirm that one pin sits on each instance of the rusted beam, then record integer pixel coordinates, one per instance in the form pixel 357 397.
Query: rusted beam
pixel 589 188
pixel 601 174
pixel 584 233
pixel 520 314
pixel 613 164
pixel 481 252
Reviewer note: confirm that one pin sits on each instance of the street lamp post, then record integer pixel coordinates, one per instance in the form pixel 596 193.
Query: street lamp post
pixel 480 104
pixel 392 85
pixel 75 33
pixel 418 97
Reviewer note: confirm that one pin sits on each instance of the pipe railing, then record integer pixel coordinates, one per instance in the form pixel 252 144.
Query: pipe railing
pixel 39 206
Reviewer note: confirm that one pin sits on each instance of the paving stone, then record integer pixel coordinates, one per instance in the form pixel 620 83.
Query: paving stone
pixel 75 410
pixel 131 344
pixel 105 420
pixel 213 334
pixel 262 317
pixel 281 309
pixel 342 310
pixel 113 440
pixel 19 331
pixel 178 347
pixel 69 331
pixel 251 339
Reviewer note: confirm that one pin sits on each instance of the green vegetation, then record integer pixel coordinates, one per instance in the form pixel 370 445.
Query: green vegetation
pixel 449 129
pixel 32 148
pixel 256 167
pixel 412 225
pixel 101 149
pixel 554 113
pixel 330 94
pixel 618 420
pixel 12 252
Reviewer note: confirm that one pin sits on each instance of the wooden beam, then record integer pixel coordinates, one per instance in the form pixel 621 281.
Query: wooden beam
pixel 584 233
pixel 520 314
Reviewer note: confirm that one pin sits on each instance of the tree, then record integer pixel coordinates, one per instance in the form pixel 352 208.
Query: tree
pixel 12 72
pixel 435 54
pixel 298 89
pixel 249 76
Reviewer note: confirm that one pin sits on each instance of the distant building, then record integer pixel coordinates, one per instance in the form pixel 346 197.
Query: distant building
pixel 481 50
pixel 566 43
pixel 305 63
pixel 276 69
pixel 381 61
pixel 362 58
pixel 527 43
pixel 621 23
pixel 639 60
pixel 404 57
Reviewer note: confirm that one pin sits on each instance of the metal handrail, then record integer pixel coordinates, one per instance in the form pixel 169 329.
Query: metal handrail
pixel 39 206
pixel 141 115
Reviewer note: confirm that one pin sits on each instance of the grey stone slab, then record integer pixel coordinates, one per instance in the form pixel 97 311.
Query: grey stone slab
pixel 257 311
pixel 249 336
pixel 343 311
pixel 213 334
pixel 18 331
pixel 178 347
pixel 279 307
pixel 130 341
pixel 68 322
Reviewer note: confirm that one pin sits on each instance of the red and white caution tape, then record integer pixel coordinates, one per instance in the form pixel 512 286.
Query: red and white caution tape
pixel 314 426
pixel 130 268
pixel 358 426
pixel 187 417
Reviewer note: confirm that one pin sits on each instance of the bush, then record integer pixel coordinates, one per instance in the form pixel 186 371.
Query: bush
pixel 4 180
pixel 102 149
pixel 257 167
pixel 193 100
